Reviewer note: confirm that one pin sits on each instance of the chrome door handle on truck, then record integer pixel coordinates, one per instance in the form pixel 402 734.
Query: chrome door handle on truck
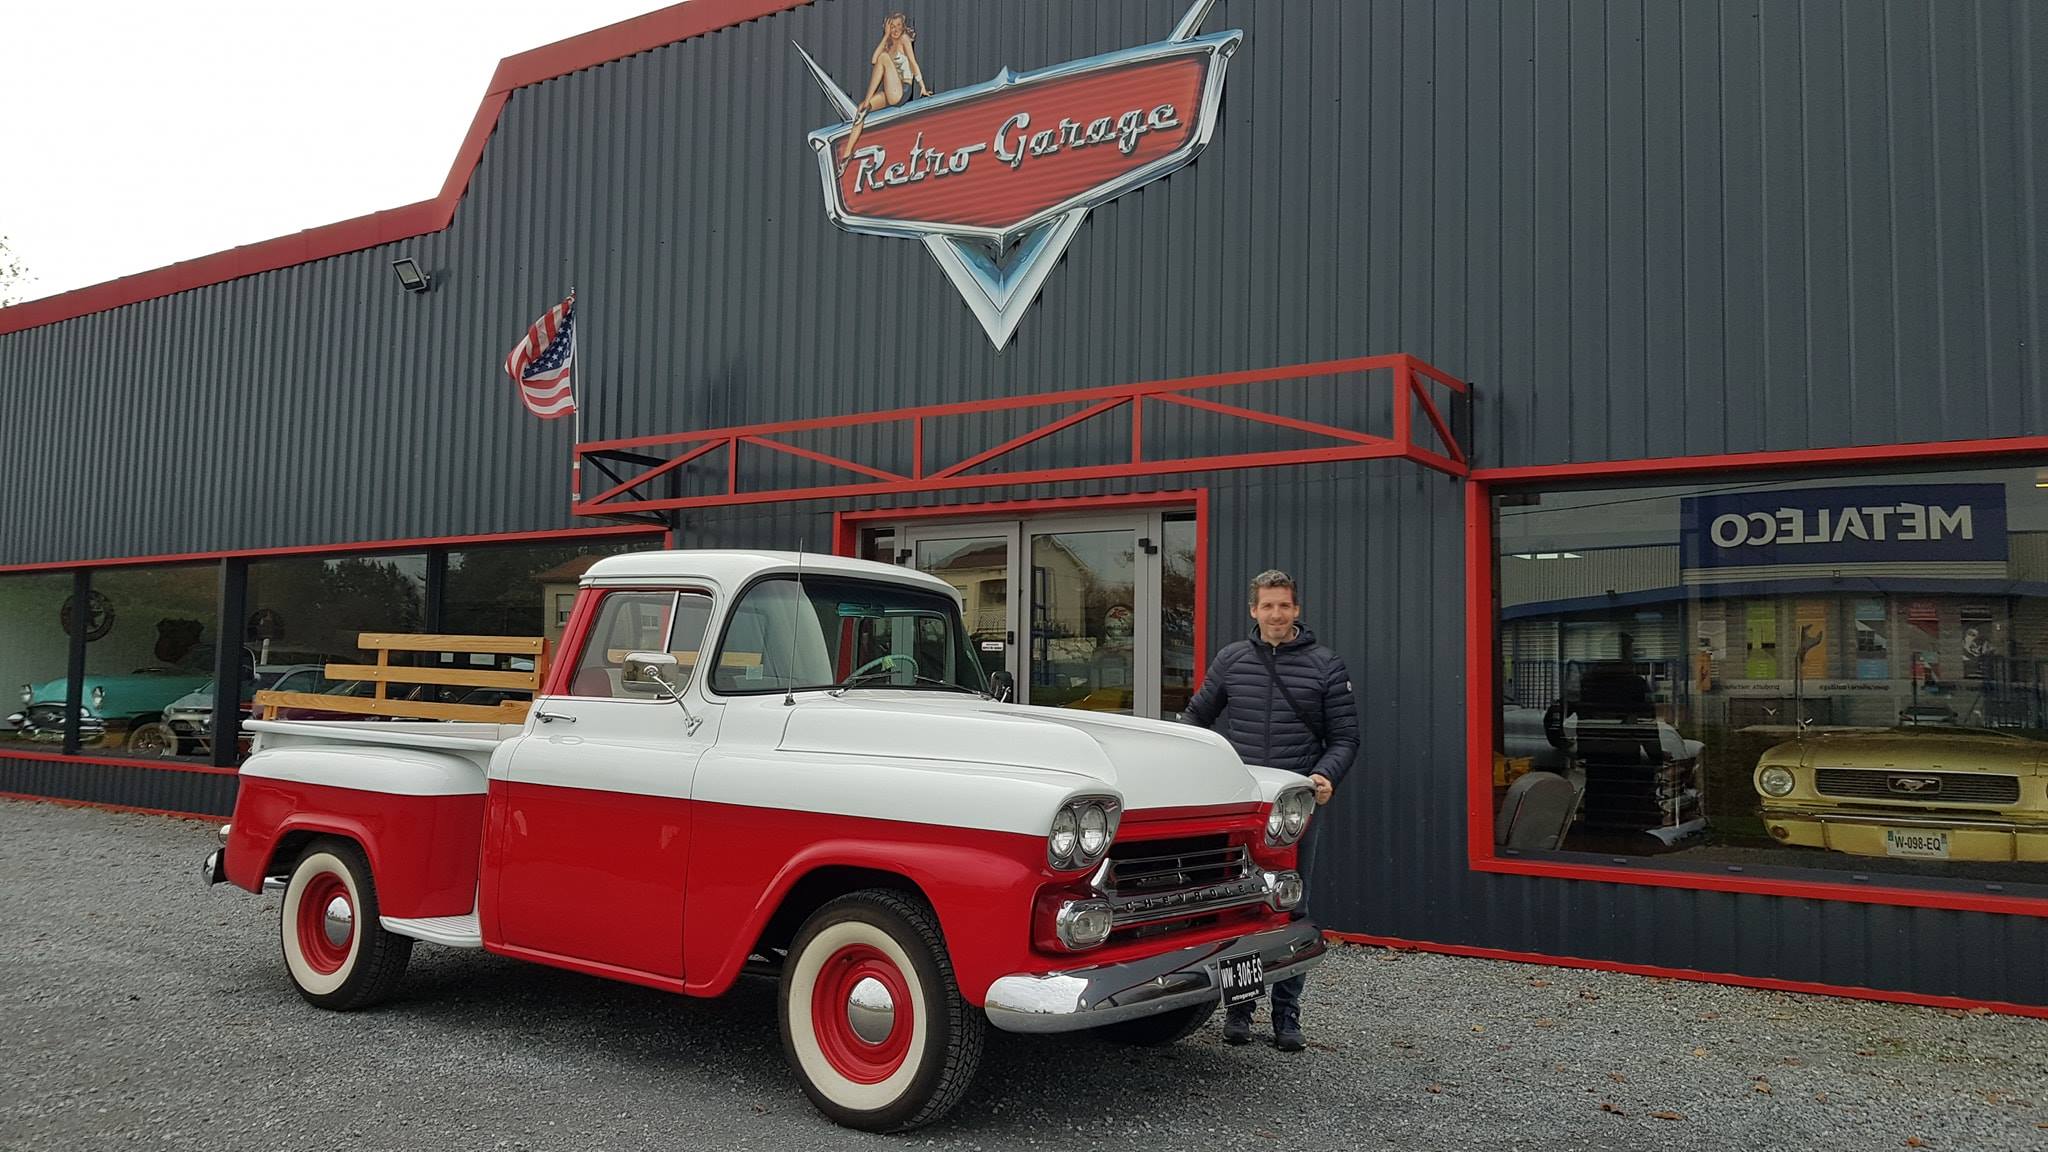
pixel 551 717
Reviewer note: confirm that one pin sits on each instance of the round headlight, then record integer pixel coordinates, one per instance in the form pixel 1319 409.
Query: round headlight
pixel 28 693
pixel 1296 815
pixel 1776 781
pixel 1094 830
pixel 1065 835
pixel 99 698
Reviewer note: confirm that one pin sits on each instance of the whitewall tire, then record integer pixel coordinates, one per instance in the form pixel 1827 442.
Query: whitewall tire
pixel 872 1020
pixel 337 952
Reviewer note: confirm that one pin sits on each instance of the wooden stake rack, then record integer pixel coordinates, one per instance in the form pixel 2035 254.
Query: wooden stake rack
pixel 383 674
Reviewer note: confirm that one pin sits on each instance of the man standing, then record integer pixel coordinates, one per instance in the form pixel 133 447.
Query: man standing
pixel 1283 701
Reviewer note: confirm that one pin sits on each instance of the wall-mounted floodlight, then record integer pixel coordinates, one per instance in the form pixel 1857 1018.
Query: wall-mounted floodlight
pixel 409 275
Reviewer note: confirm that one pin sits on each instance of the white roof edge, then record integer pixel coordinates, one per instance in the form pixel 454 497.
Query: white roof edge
pixel 731 567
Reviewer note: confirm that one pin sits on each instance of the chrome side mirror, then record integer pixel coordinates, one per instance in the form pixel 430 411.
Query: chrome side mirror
pixel 658 674
pixel 652 674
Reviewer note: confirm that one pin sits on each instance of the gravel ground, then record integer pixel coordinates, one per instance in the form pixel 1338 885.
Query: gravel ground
pixel 139 1009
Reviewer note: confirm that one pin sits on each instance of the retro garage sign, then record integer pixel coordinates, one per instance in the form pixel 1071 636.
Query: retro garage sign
pixel 997 177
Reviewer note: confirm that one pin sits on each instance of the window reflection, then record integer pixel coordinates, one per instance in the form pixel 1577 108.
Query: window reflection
pixel 36 618
pixel 151 638
pixel 1838 673
pixel 306 612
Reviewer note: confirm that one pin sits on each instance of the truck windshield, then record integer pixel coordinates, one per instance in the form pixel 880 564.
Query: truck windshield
pixel 832 632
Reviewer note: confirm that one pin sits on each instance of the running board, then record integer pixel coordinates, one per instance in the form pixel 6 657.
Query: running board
pixel 452 931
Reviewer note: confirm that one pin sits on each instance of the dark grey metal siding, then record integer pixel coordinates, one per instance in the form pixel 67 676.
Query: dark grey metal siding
pixel 1644 229
pixel 163 790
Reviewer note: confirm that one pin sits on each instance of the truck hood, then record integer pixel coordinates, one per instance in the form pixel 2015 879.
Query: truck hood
pixel 1926 750
pixel 1150 763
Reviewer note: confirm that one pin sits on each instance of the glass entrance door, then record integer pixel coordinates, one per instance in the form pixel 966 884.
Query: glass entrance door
pixel 1089 586
pixel 978 561
pixel 1092 613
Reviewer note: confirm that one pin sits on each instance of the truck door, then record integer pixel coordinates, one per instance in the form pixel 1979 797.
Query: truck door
pixel 589 825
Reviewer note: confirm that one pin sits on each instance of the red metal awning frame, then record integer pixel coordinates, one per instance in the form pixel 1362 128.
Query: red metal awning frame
pixel 661 456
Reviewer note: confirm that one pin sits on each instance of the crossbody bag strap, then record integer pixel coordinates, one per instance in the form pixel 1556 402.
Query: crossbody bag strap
pixel 1300 713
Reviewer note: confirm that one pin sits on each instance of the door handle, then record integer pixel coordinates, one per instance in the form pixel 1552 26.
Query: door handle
pixel 551 717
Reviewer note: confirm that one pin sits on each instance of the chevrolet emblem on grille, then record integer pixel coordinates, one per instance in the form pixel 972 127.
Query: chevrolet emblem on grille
pixel 1915 785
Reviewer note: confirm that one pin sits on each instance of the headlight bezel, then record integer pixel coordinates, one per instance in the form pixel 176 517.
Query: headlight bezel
pixel 1287 820
pixel 1072 822
pixel 98 696
pixel 1768 773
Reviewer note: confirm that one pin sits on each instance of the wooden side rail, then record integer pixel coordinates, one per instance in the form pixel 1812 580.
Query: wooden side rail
pixel 381 675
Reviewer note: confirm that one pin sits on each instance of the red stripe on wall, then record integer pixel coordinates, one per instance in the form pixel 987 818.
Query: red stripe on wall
pixel 1959 1003
pixel 65 803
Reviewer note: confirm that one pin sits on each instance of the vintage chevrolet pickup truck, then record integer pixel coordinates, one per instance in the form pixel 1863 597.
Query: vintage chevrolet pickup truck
pixel 791 766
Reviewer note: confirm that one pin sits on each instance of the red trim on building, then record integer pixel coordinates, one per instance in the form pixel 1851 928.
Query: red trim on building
pixel 65 802
pixel 118 762
pixel 364 546
pixel 846 533
pixel 1409 376
pixel 1482 695
pixel 1793 458
pixel 1956 1003
pixel 1479 673
pixel 601 46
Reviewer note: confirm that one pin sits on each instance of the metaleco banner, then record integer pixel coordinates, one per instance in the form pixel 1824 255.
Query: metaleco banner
pixel 1876 524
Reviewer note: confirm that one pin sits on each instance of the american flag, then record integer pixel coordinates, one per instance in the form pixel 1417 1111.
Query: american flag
pixel 543 362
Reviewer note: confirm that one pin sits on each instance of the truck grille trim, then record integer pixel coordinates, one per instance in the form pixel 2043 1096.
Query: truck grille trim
pixel 1161 881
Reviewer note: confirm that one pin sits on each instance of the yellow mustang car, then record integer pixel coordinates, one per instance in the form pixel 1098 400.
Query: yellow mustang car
pixel 1928 793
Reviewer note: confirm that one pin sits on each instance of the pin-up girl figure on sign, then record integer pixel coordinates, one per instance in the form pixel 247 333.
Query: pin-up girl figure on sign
pixel 893 69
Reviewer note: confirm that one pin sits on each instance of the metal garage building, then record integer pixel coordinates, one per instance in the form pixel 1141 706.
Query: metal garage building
pixel 1557 349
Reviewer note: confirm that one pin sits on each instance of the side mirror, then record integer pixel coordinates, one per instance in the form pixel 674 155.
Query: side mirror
pixel 1002 685
pixel 652 674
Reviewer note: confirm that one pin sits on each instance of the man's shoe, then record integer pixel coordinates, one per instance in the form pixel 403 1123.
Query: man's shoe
pixel 1287 1038
pixel 1237 1029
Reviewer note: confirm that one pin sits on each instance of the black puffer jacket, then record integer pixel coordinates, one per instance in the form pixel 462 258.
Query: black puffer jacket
pixel 1239 700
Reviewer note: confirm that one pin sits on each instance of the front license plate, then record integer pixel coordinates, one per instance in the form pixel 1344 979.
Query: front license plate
pixel 1919 844
pixel 1243 979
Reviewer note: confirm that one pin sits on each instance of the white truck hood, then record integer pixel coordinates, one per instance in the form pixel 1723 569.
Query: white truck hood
pixel 1150 763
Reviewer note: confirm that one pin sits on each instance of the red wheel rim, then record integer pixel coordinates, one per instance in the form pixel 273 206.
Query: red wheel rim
pixel 851 1056
pixel 321 954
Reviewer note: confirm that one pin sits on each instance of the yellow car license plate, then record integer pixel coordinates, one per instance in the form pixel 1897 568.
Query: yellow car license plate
pixel 1917 843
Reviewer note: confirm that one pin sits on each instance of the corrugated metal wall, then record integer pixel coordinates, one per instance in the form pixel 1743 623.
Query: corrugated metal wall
pixel 1642 228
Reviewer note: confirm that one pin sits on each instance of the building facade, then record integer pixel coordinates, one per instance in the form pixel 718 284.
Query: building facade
pixel 1644 394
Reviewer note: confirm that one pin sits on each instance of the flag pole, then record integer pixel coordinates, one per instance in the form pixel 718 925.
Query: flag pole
pixel 576 419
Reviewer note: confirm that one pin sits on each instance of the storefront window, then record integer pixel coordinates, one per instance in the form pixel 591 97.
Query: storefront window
pixel 1847 673
pixel 36 620
pixel 149 661
pixel 524 590
pixel 306 612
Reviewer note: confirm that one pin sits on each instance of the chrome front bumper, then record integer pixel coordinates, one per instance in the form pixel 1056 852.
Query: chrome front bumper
pixel 1091 997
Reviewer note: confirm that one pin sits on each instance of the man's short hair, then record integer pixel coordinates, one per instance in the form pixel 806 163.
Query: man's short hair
pixel 1274 578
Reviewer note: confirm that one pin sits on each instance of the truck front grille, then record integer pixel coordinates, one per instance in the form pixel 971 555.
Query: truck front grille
pixel 1163 884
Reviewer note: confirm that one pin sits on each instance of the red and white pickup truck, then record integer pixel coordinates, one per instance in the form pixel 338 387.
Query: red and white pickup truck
pixel 752 762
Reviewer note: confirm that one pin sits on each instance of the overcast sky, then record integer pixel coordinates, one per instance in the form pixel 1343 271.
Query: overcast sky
pixel 141 133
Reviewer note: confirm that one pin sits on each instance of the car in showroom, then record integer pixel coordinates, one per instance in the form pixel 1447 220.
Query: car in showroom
pixel 1925 792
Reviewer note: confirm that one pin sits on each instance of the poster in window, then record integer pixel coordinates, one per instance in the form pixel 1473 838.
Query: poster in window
pixel 1710 645
pixel 1812 619
pixel 1926 639
pixel 1760 625
pixel 1981 639
pixel 1873 643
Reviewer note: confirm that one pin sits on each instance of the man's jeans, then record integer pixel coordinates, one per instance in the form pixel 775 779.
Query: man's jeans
pixel 1287 993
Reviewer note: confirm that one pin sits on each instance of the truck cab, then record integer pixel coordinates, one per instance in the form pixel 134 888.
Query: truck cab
pixel 792 766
